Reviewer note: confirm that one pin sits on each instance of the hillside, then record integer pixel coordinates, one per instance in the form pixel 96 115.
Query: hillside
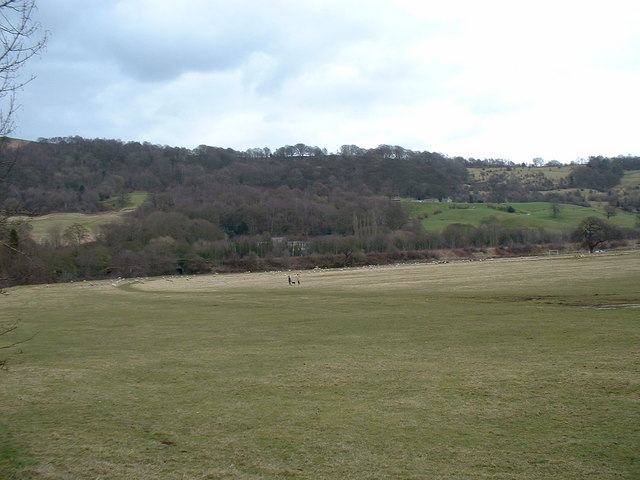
pixel 43 226
pixel 219 209
pixel 600 180
pixel 631 180
pixel 533 175
pixel 74 174
pixel 533 215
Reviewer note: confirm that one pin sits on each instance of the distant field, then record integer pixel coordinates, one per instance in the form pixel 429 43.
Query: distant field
pixel 42 225
pixel 505 369
pixel 131 200
pixel 436 216
pixel 631 179
pixel 552 173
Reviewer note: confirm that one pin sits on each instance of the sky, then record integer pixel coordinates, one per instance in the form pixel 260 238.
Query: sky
pixel 515 80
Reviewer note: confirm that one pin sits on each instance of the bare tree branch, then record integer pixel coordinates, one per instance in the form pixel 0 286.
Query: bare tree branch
pixel 21 37
pixel 6 330
pixel 19 342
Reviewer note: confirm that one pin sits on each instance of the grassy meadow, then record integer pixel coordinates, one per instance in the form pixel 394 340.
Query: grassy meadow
pixel 42 225
pixel 630 179
pixel 436 216
pixel 504 369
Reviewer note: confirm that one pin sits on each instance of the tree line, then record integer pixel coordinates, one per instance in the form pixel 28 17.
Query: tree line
pixel 168 243
pixel 75 174
pixel 590 181
pixel 219 209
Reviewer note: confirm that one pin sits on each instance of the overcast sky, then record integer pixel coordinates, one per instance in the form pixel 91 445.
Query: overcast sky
pixel 501 79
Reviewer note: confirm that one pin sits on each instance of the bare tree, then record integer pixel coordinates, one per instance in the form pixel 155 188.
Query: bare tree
pixel 21 37
pixel 538 162
pixel 610 211
pixel 4 330
pixel 76 234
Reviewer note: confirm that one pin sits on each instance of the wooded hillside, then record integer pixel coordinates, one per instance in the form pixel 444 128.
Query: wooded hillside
pixel 296 206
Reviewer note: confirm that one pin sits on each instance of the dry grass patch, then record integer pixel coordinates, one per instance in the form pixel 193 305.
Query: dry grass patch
pixel 457 371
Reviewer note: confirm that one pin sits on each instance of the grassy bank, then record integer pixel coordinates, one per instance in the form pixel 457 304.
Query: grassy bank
pixel 436 216
pixel 43 225
pixel 518 369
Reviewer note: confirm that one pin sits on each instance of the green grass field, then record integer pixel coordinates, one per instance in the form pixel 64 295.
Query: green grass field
pixel 131 200
pixel 630 179
pixel 436 216
pixel 42 225
pixel 503 369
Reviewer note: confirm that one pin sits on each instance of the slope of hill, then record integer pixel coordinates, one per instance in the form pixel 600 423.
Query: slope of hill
pixel 219 209
pixel 43 226
pixel 437 216
pixel 531 174
pixel 631 179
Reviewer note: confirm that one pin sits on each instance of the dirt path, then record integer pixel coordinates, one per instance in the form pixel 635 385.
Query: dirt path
pixel 455 275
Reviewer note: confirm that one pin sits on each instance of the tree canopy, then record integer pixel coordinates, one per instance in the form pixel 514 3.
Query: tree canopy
pixel 594 231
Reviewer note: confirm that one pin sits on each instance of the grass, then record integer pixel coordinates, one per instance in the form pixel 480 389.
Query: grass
pixel 130 201
pixel 437 216
pixel 552 173
pixel 43 225
pixel 630 179
pixel 509 369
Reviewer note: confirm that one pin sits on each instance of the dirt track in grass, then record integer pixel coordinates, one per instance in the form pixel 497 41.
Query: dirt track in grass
pixel 453 276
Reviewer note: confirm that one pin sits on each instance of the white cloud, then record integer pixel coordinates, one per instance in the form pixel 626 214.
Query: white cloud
pixel 484 79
